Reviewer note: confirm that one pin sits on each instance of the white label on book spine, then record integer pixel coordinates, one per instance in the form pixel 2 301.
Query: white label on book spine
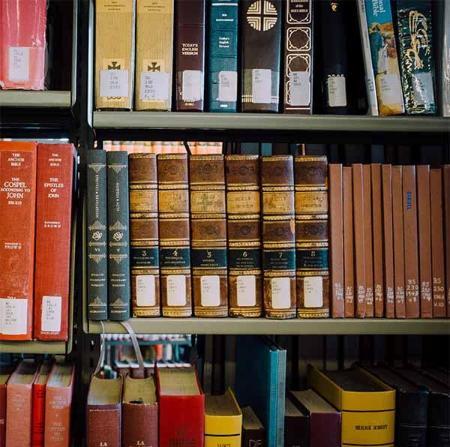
pixel 337 92
pixel 176 290
pixel 155 86
pixel 246 290
pixel 51 314
pixel 13 316
pixel 210 291
pixel 281 293
pixel 261 86
pixel 423 89
pixel 145 290
pixel 19 64
pixel 299 89
pixel 114 83
pixel 192 89
pixel 391 89
pixel 313 291
pixel 227 86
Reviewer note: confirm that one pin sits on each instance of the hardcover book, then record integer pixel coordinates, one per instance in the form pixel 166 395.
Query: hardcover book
pixel 253 433
pixel 261 25
pixel 311 236
pixel 445 72
pixel 38 405
pixel 446 174
pixel 5 372
pixel 349 256
pixel 296 426
pixel 368 240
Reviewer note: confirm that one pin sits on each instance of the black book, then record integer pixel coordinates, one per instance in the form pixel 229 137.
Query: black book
pixel 296 426
pixel 253 432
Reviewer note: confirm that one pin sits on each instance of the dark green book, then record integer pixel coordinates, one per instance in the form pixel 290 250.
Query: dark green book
pixel 118 236
pixel 97 236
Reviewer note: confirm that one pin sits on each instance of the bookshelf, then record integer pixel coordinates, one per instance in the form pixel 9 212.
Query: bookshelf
pixel 41 99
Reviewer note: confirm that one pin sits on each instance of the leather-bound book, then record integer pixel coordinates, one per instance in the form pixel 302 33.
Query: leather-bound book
pixel 174 235
pixel 446 173
pixel 349 256
pixel 189 54
pixel 388 241
pixel 104 412
pixel 55 170
pixel 296 425
pixel 144 235
pixel 253 433
pixel 399 241
pixel 208 235
pixel 38 407
pixel 17 238
pixel 311 236
pixel 279 288
pixel 244 235
pixel 261 25
pixel 5 372
pixel 139 413
pixel 368 240
pixel 118 236
pixel 298 57
pixel 437 244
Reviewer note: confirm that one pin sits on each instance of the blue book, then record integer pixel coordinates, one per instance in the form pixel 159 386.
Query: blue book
pixel 222 77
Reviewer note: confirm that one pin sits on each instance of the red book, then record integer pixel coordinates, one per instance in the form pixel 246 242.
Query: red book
pixel 446 172
pixel 182 400
pixel 349 259
pixel 368 242
pixel 53 242
pixel 17 211
pixel 38 419
pixel 5 372
pixel 22 46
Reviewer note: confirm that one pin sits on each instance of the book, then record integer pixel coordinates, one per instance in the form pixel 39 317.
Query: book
pixel 154 54
pixel 181 399
pixel 415 34
pixel 349 256
pixel 222 75
pixel 296 425
pixel 189 54
pixel 261 28
pixel 144 235
pixel 384 57
pixel 174 235
pixel 38 405
pixel 298 57
pixel 96 235
pixel 208 235
pixel 17 235
pixel 244 235
pixel 114 54
pixel 139 412
pixel 104 412
pixel 5 373
pixel 279 288
pixel 55 173
pixel 58 405
pixel 23 44
pixel 367 405
pixel 118 236
pixel 311 236
pixel 223 421
pixel 324 420
pixel 368 240
pixel 446 175
pixel 445 63
pixel 253 433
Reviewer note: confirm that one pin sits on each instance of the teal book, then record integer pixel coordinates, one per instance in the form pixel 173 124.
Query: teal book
pixel 222 77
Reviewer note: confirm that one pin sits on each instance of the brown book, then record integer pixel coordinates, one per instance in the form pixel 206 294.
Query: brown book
pixel 368 241
pixel 244 235
pixel 208 235
pixel 174 235
pixel 253 433
pixel 446 173
pixel 104 412
pixel 144 235
pixel 311 236
pixel 336 241
pixel 437 244
pixel 349 257
pixel 388 242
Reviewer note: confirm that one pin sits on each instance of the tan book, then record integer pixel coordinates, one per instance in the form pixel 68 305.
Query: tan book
pixel 368 240
pixel 349 257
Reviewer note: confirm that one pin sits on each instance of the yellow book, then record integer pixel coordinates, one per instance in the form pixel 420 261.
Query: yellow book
pixel 223 421
pixel 366 403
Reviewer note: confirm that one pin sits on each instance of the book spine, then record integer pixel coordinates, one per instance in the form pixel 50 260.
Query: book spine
pixel 414 24
pixel 244 235
pixel 368 241
pixel 349 256
pixel 154 54
pixel 118 236
pixel 189 54
pixel 55 167
pixel 3 415
pixel 58 404
pixel 17 231
pixel 437 244
pixel 144 235
pixel 337 241
pixel 97 236
pixel 261 48
pixel 311 236
pixel 174 235
pixel 445 72
pixel 114 54
pixel 103 425
pixel 281 396
pixel 140 425
pixel 208 235
pixel 446 174
pixel 384 57
pixel 298 57
pixel 38 415
pixel 222 80
pixel 19 408
pixel 279 288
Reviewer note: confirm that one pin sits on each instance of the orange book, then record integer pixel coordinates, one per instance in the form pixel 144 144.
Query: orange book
pixel 38 419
